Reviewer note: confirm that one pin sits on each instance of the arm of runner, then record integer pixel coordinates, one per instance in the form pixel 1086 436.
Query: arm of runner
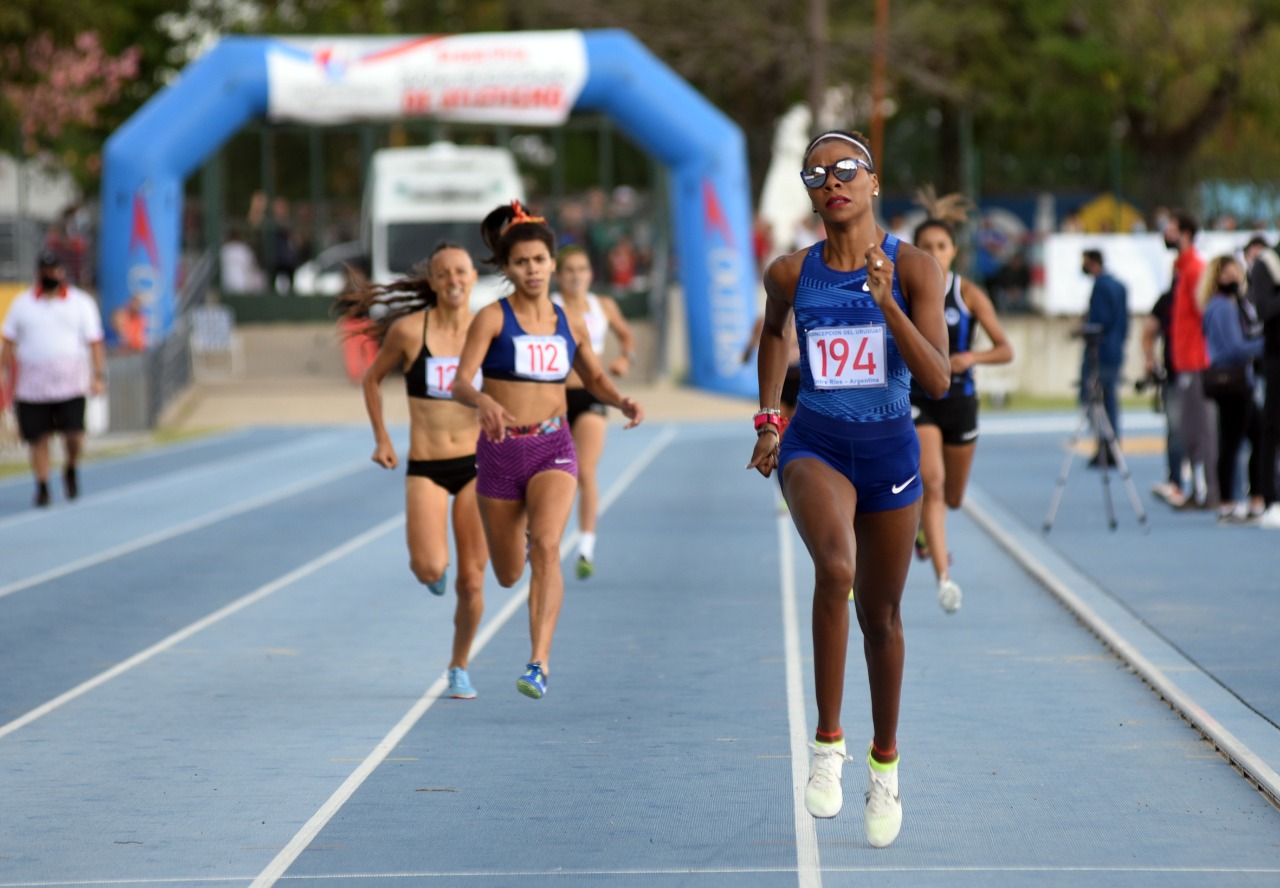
pixel 587 366
pixel 390 354
pixel 1001 352
pixel 626 339
pixel 485 327
pixel 921 337
pixel 780 280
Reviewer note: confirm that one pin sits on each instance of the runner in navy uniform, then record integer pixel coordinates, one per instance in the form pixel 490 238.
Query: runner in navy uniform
pixel 527 468
pixel 948 427
pixel 868 317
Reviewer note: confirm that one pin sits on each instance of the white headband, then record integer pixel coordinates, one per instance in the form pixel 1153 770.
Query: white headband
pixel 825 136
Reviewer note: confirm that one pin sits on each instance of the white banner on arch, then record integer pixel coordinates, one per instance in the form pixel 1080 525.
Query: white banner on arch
pixel 528 77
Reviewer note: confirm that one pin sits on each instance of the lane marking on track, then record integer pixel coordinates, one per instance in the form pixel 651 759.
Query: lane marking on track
pixel 185 527
pixel 1254 768
pixel 566 873
pixel 808 862
pixel 275 870
pixel 88 501
pixel 221 614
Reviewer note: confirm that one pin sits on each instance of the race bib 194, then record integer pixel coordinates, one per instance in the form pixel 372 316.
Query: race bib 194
pixel 541 358
pixel 847 357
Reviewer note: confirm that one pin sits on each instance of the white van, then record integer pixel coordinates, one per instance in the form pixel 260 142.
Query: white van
pixel 416 197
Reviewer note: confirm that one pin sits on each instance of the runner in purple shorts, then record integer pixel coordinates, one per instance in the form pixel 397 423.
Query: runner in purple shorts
pixel 525 346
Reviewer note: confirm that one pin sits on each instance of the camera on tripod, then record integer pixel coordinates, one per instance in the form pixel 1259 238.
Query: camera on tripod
pixel 1090 333
pixel 1154 379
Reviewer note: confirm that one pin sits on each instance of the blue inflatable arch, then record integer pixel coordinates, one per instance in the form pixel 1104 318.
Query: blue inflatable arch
pixel 147 160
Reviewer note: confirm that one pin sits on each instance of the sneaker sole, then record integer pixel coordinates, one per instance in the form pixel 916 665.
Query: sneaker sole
pixel 462 696
pixel 528 689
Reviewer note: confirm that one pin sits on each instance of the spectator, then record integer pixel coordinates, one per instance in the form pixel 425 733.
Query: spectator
pixel 1108 319
pixel 1160 372
pixel 53 334
pixel 1264 293
pixel 1190 358
pixel 239 267
pixel 1233 342
pixel 130 325
pixel 68 243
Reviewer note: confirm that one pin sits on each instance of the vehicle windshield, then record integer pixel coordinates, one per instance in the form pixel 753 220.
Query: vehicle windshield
pixel 409 243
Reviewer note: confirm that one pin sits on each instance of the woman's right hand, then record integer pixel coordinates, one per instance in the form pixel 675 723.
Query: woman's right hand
pixel 385 455
pixel 764 459
pixel 494 418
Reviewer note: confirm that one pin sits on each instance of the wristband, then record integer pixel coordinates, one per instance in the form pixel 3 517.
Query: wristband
pixel 767 418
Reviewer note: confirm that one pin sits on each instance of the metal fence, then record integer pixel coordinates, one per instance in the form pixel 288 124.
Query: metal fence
pixel 141 386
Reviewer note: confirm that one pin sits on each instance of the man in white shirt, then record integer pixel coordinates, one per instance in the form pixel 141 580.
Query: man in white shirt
pixel 53 336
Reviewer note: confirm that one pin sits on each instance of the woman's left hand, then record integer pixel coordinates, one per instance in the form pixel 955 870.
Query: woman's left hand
pixel 879 275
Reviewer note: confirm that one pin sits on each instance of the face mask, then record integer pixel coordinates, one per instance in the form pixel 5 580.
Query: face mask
pixel 1231 288
pixel 49 283
pixel 1170 244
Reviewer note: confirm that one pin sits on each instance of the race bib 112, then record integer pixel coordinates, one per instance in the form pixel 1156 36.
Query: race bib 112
pixel 541 358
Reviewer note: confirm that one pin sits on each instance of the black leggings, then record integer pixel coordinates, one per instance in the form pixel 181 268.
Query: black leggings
pixel 1238 420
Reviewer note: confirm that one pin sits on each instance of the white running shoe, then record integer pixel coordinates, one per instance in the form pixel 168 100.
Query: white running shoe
pixel 1270 519
pixel 884 806
pixel 949 595
pixel 823 796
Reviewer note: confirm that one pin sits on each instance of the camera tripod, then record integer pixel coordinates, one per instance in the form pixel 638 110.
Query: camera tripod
pixel 1094 415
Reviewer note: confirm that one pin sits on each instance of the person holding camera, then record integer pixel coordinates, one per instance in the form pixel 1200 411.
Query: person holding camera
pixel 1108 320
pixel 1234 342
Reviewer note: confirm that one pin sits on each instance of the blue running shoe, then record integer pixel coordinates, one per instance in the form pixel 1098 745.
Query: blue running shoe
pixel 440 586
pixel 460 684
pixel 534 681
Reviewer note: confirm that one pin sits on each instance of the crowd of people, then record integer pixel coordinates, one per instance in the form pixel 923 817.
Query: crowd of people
pixel 1212 342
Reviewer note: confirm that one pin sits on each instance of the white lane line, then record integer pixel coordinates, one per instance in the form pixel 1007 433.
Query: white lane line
pixel 169 533
pixel 808 863
pixel 1256 770
pixel 163 481
pixel 564 873
pixel 275 870
pixel 183 634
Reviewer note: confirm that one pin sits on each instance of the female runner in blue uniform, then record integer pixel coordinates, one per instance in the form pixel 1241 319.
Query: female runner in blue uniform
pixel 424 341
pixel 868 317
pixel 525 346
pixel 948 427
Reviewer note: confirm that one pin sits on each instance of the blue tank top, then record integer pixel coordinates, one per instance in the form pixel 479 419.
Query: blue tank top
pixel 959 340
pixel 523 357
pixel 850 366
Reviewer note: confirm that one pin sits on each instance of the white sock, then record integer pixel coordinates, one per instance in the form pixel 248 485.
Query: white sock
pixel 587 546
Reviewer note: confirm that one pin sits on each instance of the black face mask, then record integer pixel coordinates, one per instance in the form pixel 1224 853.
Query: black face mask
pixel 1231 288
pixel 1170 244
pixel 50 283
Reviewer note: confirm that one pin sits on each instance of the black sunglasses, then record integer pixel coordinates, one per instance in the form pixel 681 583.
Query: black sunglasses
pixel 845 170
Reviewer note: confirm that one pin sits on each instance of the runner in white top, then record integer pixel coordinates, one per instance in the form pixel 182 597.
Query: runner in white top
pixel 52 335
pixel 586 413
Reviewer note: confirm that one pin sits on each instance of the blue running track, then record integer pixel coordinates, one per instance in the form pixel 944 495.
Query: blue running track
pixel 216 669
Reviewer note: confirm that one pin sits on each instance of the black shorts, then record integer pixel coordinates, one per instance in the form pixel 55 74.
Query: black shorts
pixel 451 474
pixel 38 419
pixel 581 401
pixel 791 387
pixel 955 415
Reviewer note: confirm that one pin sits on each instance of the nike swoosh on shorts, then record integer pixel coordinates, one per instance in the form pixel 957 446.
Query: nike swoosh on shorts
pixel 898 488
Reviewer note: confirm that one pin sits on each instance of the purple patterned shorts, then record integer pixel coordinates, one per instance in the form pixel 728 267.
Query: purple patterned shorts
pixel 503 470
